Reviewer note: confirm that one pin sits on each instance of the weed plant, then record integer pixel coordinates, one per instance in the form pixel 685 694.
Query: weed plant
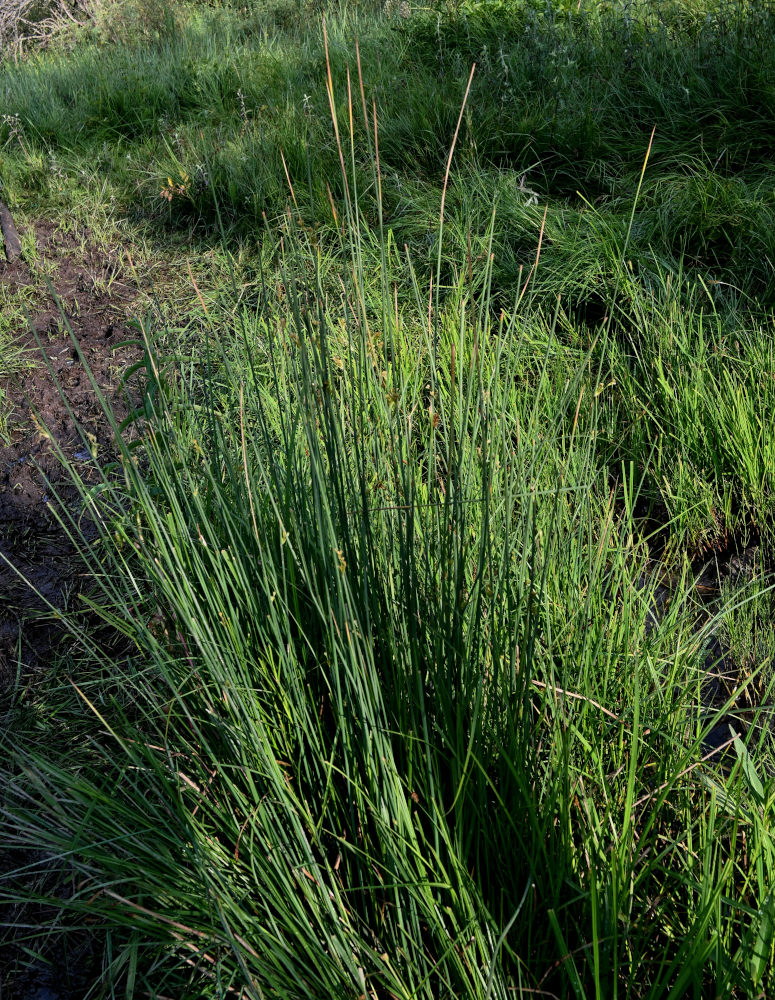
pixel 394 712
pixel 395 717
pixel 213 112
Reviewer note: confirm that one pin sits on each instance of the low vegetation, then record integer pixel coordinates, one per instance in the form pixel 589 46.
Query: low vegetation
pixel 415 658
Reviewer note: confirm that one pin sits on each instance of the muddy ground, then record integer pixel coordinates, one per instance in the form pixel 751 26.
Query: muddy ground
pixel 44 399
pixel 94 296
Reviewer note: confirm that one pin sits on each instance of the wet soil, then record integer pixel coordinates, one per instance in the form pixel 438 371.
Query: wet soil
pixel 49 403
pixel 727 686
pixel 44 404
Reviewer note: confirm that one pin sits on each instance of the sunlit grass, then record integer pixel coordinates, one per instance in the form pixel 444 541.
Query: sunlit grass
pixel 395 703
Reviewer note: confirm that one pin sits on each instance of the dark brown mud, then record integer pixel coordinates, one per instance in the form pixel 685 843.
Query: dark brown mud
pixel 70 282
pixel 44 403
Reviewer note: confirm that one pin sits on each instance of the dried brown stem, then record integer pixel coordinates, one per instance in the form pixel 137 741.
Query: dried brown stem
pixel 24 23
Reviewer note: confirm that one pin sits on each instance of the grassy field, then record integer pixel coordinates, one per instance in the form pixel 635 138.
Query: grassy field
pixel 394 674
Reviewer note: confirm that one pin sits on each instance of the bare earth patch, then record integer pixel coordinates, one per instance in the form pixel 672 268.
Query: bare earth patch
pixel 91 294
pixel 44 399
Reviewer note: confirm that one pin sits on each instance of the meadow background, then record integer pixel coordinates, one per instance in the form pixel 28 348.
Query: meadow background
pixel 391 679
